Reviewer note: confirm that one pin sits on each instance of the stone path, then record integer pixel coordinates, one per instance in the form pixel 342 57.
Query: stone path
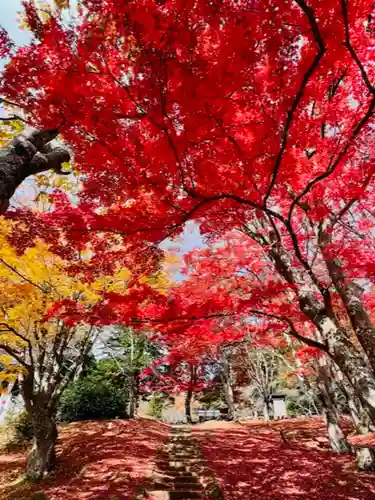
pixel 181 472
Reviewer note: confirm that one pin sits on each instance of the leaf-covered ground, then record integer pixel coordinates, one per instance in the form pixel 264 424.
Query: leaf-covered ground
pixel 253 461
pixel 96 461
pixel 111 460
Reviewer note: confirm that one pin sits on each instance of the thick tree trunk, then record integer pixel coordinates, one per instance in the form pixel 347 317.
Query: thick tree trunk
pixel 353 365
pixel 339 346
pixel 365 456
pixel 331 416
pixel 350 295
pixel 28 154
pixel 360 419
pixel 319 310
pixel 42 457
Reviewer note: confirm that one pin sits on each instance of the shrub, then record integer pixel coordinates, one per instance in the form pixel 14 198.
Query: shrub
pixel 155 406
pixel 18 430
pixel 300 406
pixel 23 426
pixel 87 399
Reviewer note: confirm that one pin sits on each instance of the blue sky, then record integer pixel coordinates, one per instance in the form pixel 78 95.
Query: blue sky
pixel 8 19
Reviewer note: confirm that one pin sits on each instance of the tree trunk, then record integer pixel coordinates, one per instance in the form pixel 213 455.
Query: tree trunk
pixel 229 399
pixel 350 295
pixel 225 374
pixel 345 354
pixel 266 412
pixel 360 419
pixel 189 392
pixel 42 457
pixel 188 398
pixel 331 416
pixel 354 366
pixel 337 340
pixel 365 456
pixel 28 154
pixel 133 397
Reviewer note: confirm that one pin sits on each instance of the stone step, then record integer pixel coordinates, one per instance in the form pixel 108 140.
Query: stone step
pixel 175 470
pixel 184 460
pixel 192 449
pixel 157 495
pixel 182 447
pixel 188 453
pixel 180 454
pixel 177 473
pixel 184 495
pixel 173 473
pixel 167 462
pixel 163 485
pixel 172 480
pixel 183 453
pixel 188 486
pixel 180 439
pixel 187 478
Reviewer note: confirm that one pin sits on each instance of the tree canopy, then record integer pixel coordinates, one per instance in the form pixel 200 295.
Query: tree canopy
pixel 253 119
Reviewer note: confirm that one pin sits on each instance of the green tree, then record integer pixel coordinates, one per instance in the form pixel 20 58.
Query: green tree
pixel 92 398
pixel 132 351
pixel 156 405
pixel 99 392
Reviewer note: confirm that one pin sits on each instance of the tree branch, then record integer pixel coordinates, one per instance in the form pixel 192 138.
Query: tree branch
pixel 15 355
pixel 352 51
pixel 293 331
pixel 290 115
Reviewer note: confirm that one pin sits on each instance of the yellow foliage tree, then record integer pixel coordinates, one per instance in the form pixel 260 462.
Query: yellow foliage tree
pixel 47 351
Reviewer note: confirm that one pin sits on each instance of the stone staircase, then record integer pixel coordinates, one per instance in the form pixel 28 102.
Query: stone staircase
pixel 177 475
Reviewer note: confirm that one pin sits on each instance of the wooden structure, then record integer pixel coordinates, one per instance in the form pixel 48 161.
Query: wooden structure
pixel 279 406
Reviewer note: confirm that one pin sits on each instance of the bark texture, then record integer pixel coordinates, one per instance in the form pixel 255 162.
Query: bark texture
pixel 42 457
pixel 188 397
pixel 27 154
pixel 266 411
pixel 361 424
pixel 350 295
pixel 331 414
pixel 226 379
pixel 350 359
pixel 189 393
pixel 134 394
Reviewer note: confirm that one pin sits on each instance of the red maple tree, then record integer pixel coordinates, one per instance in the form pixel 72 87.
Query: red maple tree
pixel 246 116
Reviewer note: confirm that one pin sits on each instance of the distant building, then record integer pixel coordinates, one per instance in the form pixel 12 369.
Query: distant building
pixel 279 405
